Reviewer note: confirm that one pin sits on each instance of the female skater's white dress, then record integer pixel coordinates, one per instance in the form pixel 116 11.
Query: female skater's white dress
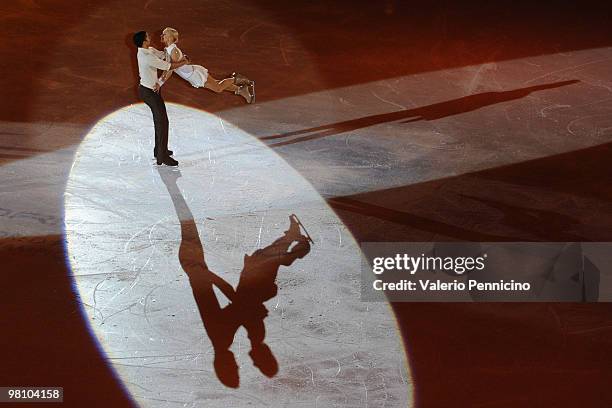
pixel 196 75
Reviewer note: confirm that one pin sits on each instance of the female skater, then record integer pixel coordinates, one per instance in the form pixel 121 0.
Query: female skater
pixel 198 76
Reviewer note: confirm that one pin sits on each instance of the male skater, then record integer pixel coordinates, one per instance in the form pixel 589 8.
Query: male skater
pixel 149 92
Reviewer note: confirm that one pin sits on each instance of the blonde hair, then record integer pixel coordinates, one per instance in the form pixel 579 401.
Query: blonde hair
pixel 172 32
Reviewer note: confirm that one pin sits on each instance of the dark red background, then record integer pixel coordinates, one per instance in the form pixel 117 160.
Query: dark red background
pixel 70 62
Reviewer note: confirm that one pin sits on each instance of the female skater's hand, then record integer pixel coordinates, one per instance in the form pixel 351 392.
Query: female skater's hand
pixel 156 88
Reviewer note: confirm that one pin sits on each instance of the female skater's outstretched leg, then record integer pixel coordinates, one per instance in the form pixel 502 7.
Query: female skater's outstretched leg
pixel 215 85
pixel 227 84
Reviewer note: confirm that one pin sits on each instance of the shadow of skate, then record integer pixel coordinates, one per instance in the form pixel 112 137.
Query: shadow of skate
pixel 256 285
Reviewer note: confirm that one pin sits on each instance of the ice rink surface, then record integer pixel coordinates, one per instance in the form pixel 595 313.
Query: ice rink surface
pixel 375 121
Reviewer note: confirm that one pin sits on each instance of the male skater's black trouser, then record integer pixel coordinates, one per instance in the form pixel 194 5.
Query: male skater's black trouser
pixel 160 119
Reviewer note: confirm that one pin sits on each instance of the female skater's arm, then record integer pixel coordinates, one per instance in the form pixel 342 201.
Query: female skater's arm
pixel 175 55
pixel 225 288
pixel 175 62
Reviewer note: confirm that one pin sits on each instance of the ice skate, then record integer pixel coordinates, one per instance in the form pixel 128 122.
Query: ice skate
pixel 252 90
pixel 240 79
pixel 245 93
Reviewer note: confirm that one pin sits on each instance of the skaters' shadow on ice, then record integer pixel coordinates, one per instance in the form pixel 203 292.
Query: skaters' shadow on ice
pixel 430 112
pixel 256 285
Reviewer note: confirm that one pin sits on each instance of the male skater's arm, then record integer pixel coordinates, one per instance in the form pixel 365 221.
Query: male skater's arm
pixel 174 57
pixel 157 53
pixel 166 66
pixel 165 76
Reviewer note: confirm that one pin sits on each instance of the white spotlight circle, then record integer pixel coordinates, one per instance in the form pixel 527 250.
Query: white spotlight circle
pixel 123 236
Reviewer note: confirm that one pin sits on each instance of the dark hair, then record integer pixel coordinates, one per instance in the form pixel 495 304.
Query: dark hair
pixel 139 38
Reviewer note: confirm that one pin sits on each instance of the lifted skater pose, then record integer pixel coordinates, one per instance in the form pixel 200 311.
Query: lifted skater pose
pixel 198 76
pixel 149 91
